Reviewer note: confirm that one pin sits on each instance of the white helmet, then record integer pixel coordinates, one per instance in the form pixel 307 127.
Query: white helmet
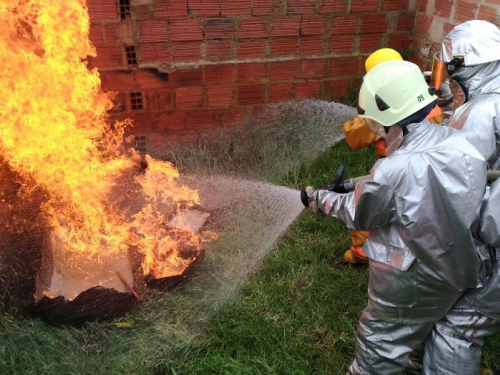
pixel 471 43
pixel 393 91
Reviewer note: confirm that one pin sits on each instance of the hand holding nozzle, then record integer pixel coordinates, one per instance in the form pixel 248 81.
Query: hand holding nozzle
pixel 339 185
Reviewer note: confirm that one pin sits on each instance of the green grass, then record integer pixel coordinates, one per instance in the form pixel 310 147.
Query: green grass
pixel 295 314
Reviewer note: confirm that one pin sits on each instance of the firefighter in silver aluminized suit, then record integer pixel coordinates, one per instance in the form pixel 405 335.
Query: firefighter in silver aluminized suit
pixel 421 205
pixel 471 52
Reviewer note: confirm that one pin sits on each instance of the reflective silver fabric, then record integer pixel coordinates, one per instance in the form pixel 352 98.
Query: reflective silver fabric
pixel 477 41
pixel 422 205
pixel 454 347
pixel 490 216
pixel 479 117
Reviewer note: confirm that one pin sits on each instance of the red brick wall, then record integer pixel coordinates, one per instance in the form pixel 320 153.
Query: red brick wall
pixel 434 19
pixel 197 64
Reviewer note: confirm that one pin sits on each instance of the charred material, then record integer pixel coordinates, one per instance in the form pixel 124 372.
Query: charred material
pixel 96 303
pixel 170 283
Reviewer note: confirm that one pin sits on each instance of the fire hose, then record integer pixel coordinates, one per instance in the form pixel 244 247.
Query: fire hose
pixel 339 185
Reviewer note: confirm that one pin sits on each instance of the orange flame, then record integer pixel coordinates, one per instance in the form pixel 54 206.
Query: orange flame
pixel 53 129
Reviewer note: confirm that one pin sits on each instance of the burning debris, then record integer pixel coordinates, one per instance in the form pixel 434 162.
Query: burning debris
pixel 97 210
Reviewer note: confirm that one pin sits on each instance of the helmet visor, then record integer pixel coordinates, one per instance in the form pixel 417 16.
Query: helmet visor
pixel 439 72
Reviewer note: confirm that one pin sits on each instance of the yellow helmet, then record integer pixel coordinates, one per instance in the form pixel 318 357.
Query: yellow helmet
pixel 380 56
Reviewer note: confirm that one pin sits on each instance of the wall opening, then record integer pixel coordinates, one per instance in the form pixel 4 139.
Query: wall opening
pixel 131 56
pixel 124 9
pixel 136 101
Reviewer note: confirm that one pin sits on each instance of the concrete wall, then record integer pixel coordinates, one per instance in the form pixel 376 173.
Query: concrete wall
pixel 181 67
pixel 435 18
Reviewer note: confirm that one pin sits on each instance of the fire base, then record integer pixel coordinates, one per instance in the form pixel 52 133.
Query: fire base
pixel 97 303
pixel 173 282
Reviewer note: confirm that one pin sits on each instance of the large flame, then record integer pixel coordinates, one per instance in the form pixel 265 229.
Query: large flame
pixel 53 131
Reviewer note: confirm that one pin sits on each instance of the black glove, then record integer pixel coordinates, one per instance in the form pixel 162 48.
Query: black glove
pixel 309 196
pixel 304 198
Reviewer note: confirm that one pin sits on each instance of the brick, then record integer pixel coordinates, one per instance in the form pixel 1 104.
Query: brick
pixel 172 121
pixel 394 4
pixel 465 11
pixel 165 99
pixel 423 23
pixel 493 2
pixel 264 113
pixel 221 50
pixel 185 52
pixel 219 96
pixel 370 42
pixel 96 34
pixel 188 97
pixel 149 101
pixel 280 92
pixel 156 142
pixel 332 6
pixel 171 9
pixel 201 119
pixel 406 22
pixel 119 100
pixel 442 8
pixel 153 53
pixel 487 13
pixel 186 78
pixel 311 45
pixel 422 5
pixel 348 66
pixel 189 137
pixel 345 25
pixel 117 81
pixel 289 26
pixel 364 6
pixel 265 7
pixel 235 7
pixel 342 44
pixel 399 41
pixel 144 122
pixel 310 89
pixel 220 28
pixel 220 74
pixel 251 72
pixel 337 88
pixel 153 31
pixel 111 33
pixel 252 28
pixel 300 6
pixel 283 70
pixel 142 11
pixel 228 117
pixel 313 26
pixel 283 46
pixel 203 8
pixel 251 94
pixel 313 68
pixel 446 29
pixel 148 79
pixel 102 10
pixel 252 49
pixel 107 57
pixel 186 30
pixel 373 23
